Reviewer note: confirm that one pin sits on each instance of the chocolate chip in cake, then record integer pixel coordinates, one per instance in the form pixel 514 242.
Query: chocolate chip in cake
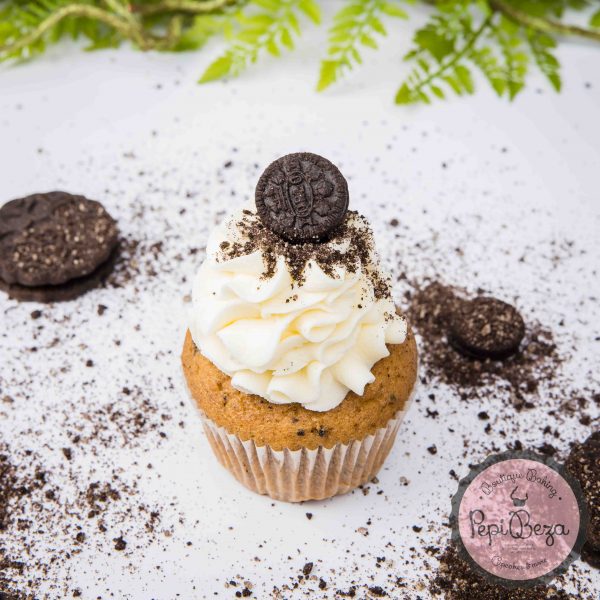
pixel 486 327
pixel 302 197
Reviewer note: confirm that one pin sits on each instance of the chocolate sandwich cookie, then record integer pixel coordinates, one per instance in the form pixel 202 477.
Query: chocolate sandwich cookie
pixel 65 291
pixel 54 246
pixel 584 464
pixel 485 327
pixel 302 197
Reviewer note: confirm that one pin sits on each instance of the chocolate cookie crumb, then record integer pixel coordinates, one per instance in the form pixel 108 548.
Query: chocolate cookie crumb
pixel 377 591
pixel 520 375
pixel 120 543
pixel 350 246
pixel 456 580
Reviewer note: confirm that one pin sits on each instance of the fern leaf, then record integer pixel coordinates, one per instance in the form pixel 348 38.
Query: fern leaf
pixel 462 34
pixel 218 68
pixel 270 30
pixel 463 75
pixel 443 48
pixel 404 95
pixel 311 9
pixel 541 46
pixel 199 31
pixel 487 62
pixel 436 38
pixel 516 60
pixel 357 23
pixel 391 9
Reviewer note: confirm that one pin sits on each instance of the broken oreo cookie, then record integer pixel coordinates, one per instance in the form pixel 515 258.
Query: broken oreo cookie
pixel 54 246
pixel 302 197
pixel 65 291
pixel 486 327
pixel 584 464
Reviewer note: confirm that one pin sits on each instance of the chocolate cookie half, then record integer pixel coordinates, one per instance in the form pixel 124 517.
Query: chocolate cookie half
pixel 55 246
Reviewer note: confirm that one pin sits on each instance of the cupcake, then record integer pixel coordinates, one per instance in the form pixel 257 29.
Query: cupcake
pixel 296 357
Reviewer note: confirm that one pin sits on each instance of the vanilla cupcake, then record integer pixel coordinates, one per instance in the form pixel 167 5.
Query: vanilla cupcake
pixel 296 356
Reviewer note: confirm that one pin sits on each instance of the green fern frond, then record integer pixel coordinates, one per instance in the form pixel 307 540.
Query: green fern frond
pixel 271 29
pixel 357 24
pixel 516 59
pixel 498 40
pixel 541 46
pixel 490 66
pixel 442 50
pixel 463 35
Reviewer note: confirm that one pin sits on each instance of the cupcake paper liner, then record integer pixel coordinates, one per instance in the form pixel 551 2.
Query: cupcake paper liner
pixel 297 475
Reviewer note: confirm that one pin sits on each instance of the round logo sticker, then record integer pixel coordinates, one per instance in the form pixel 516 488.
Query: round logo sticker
pixel 519 518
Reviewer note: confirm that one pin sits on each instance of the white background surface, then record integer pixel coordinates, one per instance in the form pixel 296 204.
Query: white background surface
pixel 520 179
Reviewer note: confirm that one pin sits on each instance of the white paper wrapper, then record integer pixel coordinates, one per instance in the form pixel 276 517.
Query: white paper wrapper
pixel 296 475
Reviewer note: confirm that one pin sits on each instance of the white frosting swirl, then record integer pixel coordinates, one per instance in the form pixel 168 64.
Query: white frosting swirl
pixel 287 342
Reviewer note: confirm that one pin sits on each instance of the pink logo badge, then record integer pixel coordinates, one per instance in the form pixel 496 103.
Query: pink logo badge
pixel 519 518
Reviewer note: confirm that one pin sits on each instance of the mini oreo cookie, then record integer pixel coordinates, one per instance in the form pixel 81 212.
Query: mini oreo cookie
pixel 52 240
pixel 584 464
pixel 486 327
pixel 302 197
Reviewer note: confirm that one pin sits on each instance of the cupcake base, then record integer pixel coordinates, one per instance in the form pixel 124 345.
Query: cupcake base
pixel 294 454
pixel 297 475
